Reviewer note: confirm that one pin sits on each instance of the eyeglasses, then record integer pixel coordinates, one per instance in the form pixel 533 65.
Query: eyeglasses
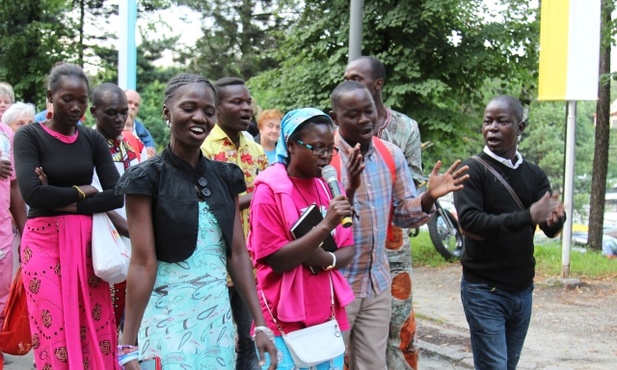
pixel 203 191
pixel 319 150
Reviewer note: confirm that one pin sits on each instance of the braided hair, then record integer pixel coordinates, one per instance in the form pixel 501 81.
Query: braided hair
pixel 183 79
pixel 62 70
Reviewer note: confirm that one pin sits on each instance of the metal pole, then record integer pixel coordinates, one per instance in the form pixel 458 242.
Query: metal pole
pixel 568 189
pixel 355 29
pixel 127 50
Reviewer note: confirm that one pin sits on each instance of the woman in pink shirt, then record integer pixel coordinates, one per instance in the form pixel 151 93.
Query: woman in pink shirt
pixel 294 275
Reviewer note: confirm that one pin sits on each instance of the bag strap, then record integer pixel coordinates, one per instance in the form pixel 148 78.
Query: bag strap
pixel 383 151
pixel 278 326
pixel 501 180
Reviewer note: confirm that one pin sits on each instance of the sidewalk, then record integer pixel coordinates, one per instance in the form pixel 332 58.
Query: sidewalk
pixel 571 329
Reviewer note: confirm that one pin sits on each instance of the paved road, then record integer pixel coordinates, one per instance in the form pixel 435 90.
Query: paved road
pixel 572 327
pixel 19 362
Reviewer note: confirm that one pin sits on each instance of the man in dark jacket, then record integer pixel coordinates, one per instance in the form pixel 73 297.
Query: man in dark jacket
pixel 498 262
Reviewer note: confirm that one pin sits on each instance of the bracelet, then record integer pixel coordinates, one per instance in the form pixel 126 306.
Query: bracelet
pixel 81 194
pixel 127 353
pixel 264 329
pixel 333 265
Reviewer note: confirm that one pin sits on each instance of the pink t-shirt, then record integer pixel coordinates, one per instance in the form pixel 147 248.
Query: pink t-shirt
pixel 269 233
pixel 6 223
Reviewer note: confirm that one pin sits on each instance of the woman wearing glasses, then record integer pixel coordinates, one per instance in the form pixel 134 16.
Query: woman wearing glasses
pixel 294 276
pixel 185 228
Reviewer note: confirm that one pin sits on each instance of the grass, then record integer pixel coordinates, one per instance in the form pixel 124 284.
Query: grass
pixel 589 265
pixel 424 254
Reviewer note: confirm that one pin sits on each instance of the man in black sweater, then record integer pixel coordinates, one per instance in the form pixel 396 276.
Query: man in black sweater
pixel 498 262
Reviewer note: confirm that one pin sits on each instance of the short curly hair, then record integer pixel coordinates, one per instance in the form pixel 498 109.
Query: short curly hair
pixel 267 115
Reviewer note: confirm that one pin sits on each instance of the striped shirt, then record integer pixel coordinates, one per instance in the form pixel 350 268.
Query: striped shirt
pixel 369 272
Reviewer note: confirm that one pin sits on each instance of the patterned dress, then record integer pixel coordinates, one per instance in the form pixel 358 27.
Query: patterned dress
pixel 187 321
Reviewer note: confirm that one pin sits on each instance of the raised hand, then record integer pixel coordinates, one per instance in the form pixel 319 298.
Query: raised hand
pixel 547 209
pixel 451 180
pixel 355 166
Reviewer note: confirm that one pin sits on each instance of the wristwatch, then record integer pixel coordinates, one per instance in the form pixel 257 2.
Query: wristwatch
pixel 333 265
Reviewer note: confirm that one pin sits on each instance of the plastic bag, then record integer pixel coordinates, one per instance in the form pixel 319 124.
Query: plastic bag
pixel 15 337
pixel 111 252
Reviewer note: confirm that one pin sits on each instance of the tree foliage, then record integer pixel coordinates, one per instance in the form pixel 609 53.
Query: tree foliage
pixel 543 143
pixel 34 37
pixel 238 37
pixel 438 55
pixel 600 164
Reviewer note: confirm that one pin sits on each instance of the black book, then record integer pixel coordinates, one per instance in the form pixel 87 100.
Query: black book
pixel 309 219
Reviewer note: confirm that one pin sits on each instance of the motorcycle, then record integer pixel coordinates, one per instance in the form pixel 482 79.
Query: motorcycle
pixel 443 227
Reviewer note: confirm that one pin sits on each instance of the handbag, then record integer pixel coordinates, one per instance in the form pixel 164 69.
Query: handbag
pixel 15 337
pixel 315 344
pixel 111 252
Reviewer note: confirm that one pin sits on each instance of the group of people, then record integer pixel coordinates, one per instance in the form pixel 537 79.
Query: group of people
pixel 216 276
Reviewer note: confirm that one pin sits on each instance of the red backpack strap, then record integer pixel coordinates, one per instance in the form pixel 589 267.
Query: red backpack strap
pixel 386 155
pixel 383 151
pixel 336 163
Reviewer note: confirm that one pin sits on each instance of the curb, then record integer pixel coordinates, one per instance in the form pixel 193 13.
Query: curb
pixel 438 339
pixel 462 360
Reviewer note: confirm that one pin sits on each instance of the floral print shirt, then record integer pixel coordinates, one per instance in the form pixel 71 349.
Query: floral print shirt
pixel 249 156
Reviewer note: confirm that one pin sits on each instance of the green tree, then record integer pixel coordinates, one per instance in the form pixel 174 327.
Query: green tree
pixel 34 37
pixel 543 143
pixel 239 37
pixel 600 164
pixel 438 55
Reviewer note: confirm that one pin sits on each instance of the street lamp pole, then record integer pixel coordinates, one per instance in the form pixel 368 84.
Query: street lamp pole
pixel 355 29
pixel 127 51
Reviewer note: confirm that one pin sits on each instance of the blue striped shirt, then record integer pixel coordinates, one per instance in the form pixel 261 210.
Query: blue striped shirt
pixel 369 272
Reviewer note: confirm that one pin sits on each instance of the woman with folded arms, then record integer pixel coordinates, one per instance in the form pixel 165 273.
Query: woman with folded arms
pixel 71 314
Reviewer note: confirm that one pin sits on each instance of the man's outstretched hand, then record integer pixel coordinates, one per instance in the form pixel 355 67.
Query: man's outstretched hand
pixel 440 185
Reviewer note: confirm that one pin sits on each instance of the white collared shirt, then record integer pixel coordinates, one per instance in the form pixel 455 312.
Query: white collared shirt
pixel 504 161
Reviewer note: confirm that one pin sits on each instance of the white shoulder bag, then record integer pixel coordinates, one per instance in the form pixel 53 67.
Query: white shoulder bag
pixel 111 252
pixel 315 344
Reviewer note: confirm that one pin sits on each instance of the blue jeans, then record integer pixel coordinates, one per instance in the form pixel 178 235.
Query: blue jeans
pixel 247 357
pixel 498 322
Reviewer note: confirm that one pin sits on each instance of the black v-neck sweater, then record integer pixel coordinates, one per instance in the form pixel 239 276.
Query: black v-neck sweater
pixel 504 259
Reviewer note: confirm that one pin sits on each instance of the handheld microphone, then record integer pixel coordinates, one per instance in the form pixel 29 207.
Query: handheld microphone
pixel 329 174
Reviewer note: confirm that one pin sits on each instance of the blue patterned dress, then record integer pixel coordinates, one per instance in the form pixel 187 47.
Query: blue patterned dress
pixel 188 322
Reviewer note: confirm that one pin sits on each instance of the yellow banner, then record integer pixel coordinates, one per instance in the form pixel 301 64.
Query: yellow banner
pixel 569 50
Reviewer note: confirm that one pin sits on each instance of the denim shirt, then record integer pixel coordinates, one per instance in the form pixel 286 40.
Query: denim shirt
pixel 173 185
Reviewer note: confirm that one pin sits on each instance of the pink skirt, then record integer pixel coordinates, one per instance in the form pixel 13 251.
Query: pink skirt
pixel 71 314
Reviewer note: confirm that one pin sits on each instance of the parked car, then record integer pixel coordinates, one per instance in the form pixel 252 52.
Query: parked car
pixel 609 243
